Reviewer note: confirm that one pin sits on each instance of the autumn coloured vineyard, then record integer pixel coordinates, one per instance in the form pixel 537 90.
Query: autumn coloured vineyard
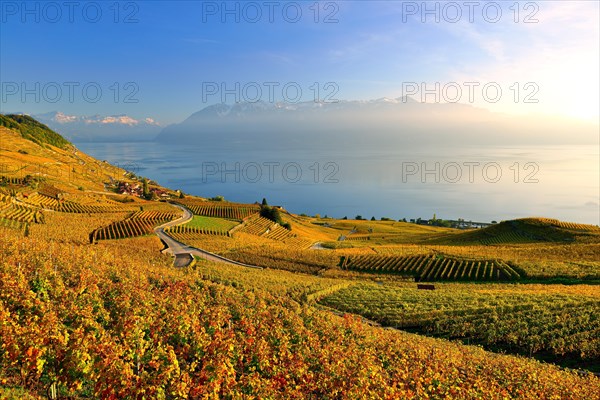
pixel 66 206
pixel 220 210
pixel 217 331
pixel 185 233
pixel 263 227
pixel 527 320
pixel 138 224
pixel 13 211
pixel 433 267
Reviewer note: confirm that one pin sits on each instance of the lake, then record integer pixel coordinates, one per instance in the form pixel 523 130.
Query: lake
pixel 475 183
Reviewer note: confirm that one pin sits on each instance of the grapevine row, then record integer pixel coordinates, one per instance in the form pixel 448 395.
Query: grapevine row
pixel 219 210
pixel 138 224
pixel 432 267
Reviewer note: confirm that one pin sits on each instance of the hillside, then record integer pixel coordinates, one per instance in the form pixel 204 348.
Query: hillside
pixel 43 156
pixel 33 130
pixel 528 230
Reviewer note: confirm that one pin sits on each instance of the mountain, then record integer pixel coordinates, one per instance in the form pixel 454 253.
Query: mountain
pixel 98 128
pixel 351 124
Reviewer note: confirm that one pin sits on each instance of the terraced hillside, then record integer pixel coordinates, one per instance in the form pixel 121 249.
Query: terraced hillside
pixel 137 224
pixel 527 230
pixel 218 209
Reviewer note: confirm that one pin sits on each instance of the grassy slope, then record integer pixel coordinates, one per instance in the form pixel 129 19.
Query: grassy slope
pixel 211 223
pixel 33 130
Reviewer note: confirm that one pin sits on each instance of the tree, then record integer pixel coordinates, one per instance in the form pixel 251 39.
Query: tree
pixel 274 215
pixel 358 217
pixel 373 218
pixel 345 217
pixel 264 202
pixel 145 191
pixel 181 195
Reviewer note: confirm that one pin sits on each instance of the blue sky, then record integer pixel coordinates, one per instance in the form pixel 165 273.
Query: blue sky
pixel 171 50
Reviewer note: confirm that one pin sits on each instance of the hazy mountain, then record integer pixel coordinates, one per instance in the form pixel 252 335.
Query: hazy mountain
pixel 98 128
pixel 373 123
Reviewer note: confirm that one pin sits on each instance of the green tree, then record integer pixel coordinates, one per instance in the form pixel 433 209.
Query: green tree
pixel 274 215
pixel 145 190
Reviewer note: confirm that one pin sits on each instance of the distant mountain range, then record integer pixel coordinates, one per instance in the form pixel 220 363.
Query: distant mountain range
pixel 344 124
pixel 353 124
pixel 98 128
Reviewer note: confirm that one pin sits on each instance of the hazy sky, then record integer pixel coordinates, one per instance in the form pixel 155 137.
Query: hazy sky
pixel 174 58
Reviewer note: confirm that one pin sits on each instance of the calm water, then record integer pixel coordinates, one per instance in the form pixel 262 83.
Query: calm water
pixel 479 184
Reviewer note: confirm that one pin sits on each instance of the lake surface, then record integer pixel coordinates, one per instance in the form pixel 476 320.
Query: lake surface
pixel 474 183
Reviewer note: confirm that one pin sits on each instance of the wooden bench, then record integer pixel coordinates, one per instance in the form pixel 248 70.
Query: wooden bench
pixel 424 286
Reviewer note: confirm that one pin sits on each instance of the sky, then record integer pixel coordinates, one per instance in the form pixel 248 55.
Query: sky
pixel 166 60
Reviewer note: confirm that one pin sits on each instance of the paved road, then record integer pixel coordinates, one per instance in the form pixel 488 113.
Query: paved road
pixel 180 250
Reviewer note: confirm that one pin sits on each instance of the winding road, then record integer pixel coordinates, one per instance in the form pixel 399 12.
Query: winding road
pixel 182 252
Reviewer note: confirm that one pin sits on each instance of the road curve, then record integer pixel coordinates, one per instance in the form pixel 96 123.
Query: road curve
pixel 179 250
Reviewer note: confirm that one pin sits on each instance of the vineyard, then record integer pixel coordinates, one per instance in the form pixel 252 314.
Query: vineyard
pixel 66 206
pixel 42 201
pixel 432 267
pixel 569 225
pixel 298 287
pixel 525 320
pixel 219 209
pixel 263 227
pixel 10 180
pixel 184 234
pixel 112 321
pixel 298 243
pixel 256 226
pixel 12 224
pixel 260 226
pixel 155 216
pixel 20 213
pixel 525 230
pixel 138 224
